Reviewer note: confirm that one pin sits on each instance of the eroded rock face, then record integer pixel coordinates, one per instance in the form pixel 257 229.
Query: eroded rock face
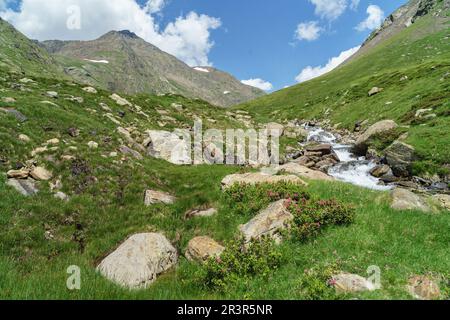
pixel 351 283
pixel 168 146
pixel 423 288
pixel 155 197
pixel 269 222
pixel 137 262
pixel 203 248
pixel 305 172
pixel 403 199
pixel 400 157
pixel 258 177
pixel 362 143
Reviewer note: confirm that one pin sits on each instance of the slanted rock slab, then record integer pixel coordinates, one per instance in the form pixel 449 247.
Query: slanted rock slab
pixel 403 199
pixel 351 283
pixel 203 248
pixel 154 197
pixel 269 222
pixel 258 177
pixel 137 262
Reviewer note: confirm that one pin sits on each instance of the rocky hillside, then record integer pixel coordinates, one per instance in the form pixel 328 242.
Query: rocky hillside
pixel 121 61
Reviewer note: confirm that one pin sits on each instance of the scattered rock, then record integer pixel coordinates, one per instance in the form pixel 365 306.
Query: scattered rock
pixel 378 128
pixel 90 90
pixel 17 114
pixel 200 213
pixel 423 288
pixel 154 197
pixel 40 173
pixel 443 200
pixel 400 157
pixel 73 132
pixel 61 196
pixel 403 199
pixel 137 262
pixel 52 94
pixel 134 153
pixel 168 146
pixel 203 248
pixel 67 158
pixel 374 91
pixel 54 141
pixel 380 170
pixel 323 149
pixel 257 177
pixel 304 172
pixel 120 101
pixel 92 145
pixel 8 100
pixel 273 126
pixel 24 138
pixel 25 187
pixel 18 174
pixel 268 222
pixel 39 150
pixel 351 283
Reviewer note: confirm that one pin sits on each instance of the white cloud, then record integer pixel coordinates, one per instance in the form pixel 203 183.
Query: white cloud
pixel 258 83
pixel 313 72
pixel 374 20
pixel 308 31
pixel 330 9
pixel 188 37
pixel 354 4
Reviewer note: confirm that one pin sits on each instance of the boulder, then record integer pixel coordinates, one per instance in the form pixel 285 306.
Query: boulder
pixel 443 200
pixel 374 91
pixel 129 151
pixel 169 146
pixel 276 127
pixel 15 113
pixel 380 171
pixel 323 149
pixel 304 172
pixel 382 127
pixel 258 177
pixel 200 213
pixel 203 248
pixel 400 157
pixel 24 138
pixel 119 100
pixel 41 174
pixel 269 222
pixel 92 145
pixel 52 94
pixel 403 199
pixel 8 100
pixel 154 197
pixel 351 283
pixel 18 174
pixel 90 90
pixel 137 262
pixel 423 288
pixel 26 187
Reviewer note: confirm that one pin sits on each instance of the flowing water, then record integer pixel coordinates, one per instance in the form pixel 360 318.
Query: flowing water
pixel 351 169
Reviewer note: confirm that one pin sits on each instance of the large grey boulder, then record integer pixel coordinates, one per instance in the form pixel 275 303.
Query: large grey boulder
pixel 258 177
pixel 400 157
pixel 137 262
pixel 403 199
pixel 168 146
pixel 382 127
pixel 26 187
pixel 269 222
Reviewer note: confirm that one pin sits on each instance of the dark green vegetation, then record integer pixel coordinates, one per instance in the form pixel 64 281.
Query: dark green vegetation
pixel 421 53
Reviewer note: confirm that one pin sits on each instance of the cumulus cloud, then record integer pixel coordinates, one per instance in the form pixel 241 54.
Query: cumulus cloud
pixel 330 9
pixel 374 19
pixel 308 31
pixel 258 83
pixel 313 72
pixel 354 4
pixel 188 37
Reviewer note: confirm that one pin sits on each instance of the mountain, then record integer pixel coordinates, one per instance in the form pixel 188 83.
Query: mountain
pixel 408 58
pixel 121 61
pixel 19 54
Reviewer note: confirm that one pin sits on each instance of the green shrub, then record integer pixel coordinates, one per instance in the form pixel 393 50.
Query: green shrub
pixel 241 261
pixel 248 199
pixel 315 283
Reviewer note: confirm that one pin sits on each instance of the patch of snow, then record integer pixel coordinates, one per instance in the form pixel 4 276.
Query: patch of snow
pixel 97 61
pixel 201 69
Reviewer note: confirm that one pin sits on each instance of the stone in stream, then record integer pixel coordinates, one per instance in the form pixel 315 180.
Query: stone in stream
pixel 137 262
pixel 351 283
pixel 155 197
pixel 403 199
pixel 269 222
pixel 382 127
pixel 304 172
pixel 323 149
pixel 258 177
pixel 203 248
pixel 26 187
pixel 380 171
pixel 400 157
pixel 423 288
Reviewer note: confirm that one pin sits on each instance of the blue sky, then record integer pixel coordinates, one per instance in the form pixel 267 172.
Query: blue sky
pixel 249 38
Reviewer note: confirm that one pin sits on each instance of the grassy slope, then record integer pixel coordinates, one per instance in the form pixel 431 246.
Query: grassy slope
pixel 420 52
pixel 110 210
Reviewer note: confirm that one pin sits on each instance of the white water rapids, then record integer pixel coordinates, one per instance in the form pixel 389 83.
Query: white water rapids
pixel 351 169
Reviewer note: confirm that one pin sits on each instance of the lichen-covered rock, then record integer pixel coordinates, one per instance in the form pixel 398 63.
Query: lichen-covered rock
pixel 400 157
pixel 269 222
pixel 154 197
pixel 203 248
pixel 137 262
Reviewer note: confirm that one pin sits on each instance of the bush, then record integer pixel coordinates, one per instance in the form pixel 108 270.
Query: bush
pixel 248 199
pixel 310 216
pixel 241 261
pixel 315 283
